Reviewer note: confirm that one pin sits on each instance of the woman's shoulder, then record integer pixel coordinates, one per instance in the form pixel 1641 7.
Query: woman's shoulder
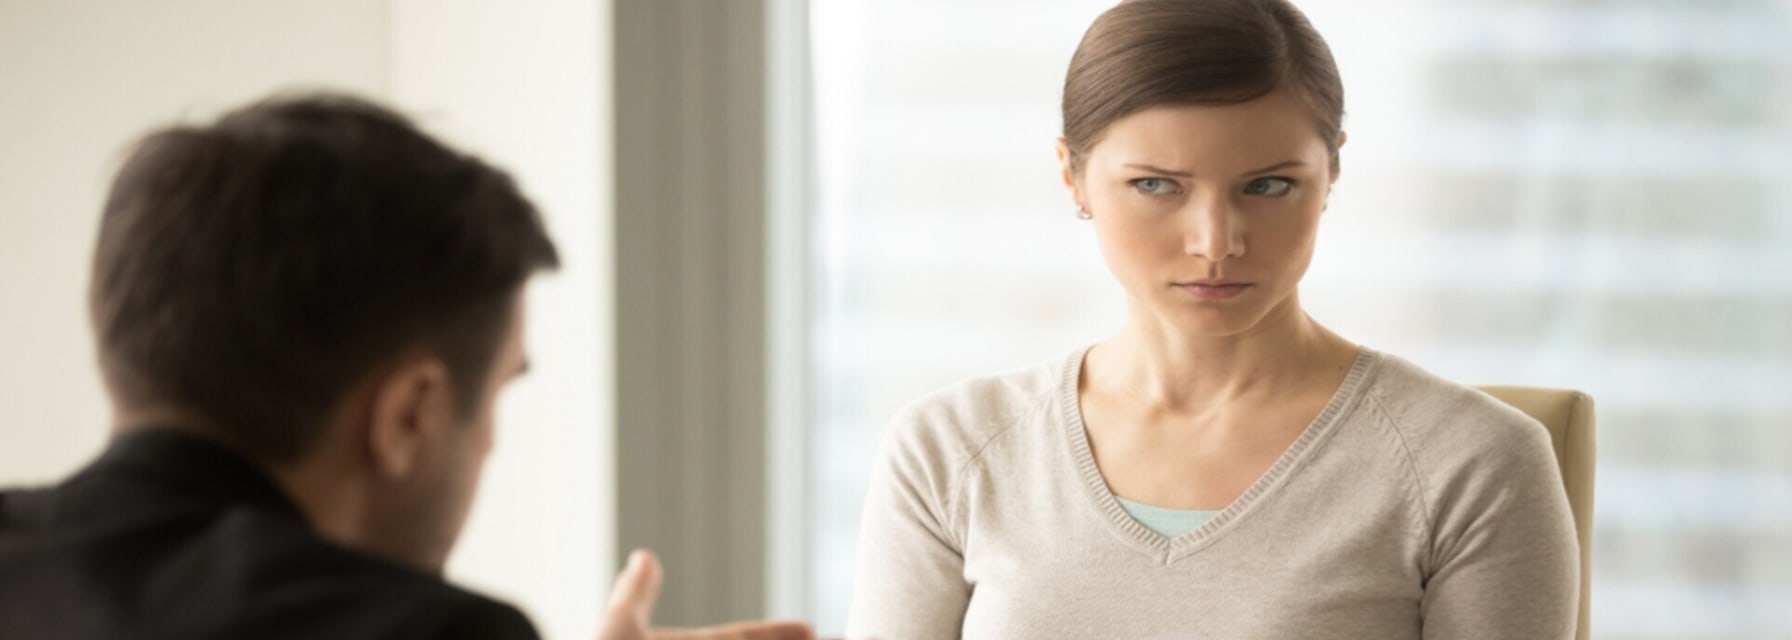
pixel 962 417
pixel 1440 418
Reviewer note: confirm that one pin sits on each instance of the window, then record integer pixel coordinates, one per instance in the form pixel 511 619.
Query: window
pixel 1590 194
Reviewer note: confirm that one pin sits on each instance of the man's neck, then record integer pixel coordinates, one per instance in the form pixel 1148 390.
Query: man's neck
pixel 320 486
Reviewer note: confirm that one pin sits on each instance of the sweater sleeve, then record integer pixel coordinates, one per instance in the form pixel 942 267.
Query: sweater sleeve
pixel 1504 557
pixel 909 581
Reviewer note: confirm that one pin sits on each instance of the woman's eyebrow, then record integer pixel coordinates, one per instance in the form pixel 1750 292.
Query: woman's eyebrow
pixel 1285 164
pixel 1167 172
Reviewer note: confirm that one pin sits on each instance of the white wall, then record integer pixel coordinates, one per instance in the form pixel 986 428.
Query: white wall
pixel 79 80
pixel 523 84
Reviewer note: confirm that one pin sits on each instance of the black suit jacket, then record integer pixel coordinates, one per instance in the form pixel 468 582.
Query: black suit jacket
pixel 169 537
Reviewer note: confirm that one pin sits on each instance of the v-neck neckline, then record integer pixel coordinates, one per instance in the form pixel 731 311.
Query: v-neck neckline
pixel 1169 550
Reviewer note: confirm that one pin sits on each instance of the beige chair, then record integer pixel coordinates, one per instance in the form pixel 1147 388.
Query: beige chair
pixel 1569 417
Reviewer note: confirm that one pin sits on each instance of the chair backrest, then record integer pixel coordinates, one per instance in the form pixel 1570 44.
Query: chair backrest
pixel 1569 417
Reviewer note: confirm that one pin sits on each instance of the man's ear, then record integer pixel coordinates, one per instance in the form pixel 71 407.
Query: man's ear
pixel 412 404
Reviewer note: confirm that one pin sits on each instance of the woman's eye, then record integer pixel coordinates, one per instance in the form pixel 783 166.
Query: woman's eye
pixel 1154 186
pixel 1271 187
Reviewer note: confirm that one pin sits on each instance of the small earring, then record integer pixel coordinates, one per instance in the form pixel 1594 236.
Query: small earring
pixel 1082 212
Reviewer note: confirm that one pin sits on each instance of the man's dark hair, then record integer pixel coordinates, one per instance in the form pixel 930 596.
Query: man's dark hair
pixel 251 271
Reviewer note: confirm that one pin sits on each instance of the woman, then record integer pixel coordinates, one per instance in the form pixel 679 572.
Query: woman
pixel 1224 466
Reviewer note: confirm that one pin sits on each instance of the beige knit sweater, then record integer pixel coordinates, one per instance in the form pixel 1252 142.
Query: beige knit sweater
pixel 1410 508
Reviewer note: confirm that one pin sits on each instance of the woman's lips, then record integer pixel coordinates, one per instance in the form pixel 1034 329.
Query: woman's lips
pixel 1214 290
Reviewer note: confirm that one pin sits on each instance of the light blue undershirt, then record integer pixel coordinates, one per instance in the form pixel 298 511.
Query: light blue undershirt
pixel 1168 523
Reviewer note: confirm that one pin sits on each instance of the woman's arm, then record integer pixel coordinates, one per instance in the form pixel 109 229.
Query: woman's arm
pixel 910 581
pixel 1505 560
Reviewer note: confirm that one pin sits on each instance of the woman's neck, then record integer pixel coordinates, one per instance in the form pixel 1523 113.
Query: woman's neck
pixel 1166 368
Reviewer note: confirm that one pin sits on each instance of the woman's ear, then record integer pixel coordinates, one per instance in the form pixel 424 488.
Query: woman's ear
pixel 1067 171
pixel 1337 163
pixel 412 405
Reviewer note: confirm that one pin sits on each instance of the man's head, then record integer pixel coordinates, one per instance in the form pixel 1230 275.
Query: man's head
pixel 313 276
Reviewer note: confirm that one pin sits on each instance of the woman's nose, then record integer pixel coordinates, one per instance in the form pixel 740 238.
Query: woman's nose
pixel 1214 230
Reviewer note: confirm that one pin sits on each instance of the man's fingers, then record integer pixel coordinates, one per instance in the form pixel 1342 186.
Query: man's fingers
pixel 782 630
pixel 637 588
pixel 758 630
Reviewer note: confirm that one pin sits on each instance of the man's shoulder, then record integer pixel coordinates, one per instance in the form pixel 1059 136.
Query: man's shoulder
pixel 187 571
pixel 355 594
pixel 481 618
pixel 371 592
pixel 18 504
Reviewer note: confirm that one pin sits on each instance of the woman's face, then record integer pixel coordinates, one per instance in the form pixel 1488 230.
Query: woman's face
pixel 1207 213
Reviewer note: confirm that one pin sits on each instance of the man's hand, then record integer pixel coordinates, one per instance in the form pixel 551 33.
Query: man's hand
pixel 638 588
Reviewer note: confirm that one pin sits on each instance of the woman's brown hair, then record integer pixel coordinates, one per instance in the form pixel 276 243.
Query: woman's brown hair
pixel 1148 53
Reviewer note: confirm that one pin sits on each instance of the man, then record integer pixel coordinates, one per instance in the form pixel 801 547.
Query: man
pixel 304 315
